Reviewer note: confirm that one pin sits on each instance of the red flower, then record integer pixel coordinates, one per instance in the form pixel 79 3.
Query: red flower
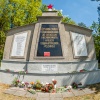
pixel 26 83
pixel 81 71
pixel 50 6
pixel 18 81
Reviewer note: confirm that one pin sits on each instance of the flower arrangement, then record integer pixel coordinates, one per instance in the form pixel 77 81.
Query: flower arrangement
pixel 32 87
pixel 47 87
pixel 37 85
pixel 21 84
pixel 15 82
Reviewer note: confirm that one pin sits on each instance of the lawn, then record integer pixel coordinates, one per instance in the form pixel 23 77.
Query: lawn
pixel 95 96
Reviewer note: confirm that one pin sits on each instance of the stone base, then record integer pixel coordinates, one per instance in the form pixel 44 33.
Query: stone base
pixel 50 67
pixel 85 78
pixel 61 71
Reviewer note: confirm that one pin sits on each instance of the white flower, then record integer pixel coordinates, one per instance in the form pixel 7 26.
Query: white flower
pixel 50 9
pixel 23 82
pixel 69 87
pixel 53 79
pixel 29 85
pixel 42 83
pixel 47 83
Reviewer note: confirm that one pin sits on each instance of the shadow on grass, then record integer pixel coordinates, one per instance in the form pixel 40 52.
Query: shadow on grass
pixel 95 87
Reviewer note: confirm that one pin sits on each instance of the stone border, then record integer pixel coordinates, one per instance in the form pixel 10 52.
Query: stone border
pixel 48 96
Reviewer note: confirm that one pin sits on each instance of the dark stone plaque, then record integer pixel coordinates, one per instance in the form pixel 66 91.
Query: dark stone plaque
pixel 49 41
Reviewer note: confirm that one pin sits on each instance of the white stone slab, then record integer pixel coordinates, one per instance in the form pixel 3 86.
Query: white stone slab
pixel 79 44
pixel 19 43
pixel 49 67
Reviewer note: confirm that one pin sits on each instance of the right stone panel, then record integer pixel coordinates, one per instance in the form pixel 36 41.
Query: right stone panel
pixel 79 44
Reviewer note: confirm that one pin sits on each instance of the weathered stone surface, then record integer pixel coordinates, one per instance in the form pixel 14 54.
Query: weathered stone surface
pixel 56 99
pixel 17 88
pixel 39 98
pixel 31 95
pixel 77 92
pixel 20 93
pixel 56 95
pixel 9 91
pixel 14 88
pixel 48 96
pixel 88 91
pixel 68 94
pixel 43 95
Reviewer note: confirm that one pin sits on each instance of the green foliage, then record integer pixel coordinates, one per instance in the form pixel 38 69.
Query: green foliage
pixel 2 42
pixel 59 13
pixel 82 25
pixel 96 35
pixel 44 8
pixel 68 20
pixel 95 27
pixel 31 91
pixel 97 45
pixel 24 11
pixel 37 85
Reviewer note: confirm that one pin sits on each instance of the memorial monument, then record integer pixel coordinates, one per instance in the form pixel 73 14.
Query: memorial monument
pixel 50 49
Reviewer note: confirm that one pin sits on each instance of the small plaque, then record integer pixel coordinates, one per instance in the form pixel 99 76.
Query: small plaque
pixel 19 43
pixel 79 44
pixel 46 54
pixel 49 67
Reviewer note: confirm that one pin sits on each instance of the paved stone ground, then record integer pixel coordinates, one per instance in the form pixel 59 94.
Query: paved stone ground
pixel 48 96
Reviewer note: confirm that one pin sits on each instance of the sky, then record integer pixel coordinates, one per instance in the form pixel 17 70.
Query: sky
pixel 78 10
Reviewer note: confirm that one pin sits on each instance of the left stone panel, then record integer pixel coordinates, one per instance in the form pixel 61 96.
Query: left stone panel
pixel 19 43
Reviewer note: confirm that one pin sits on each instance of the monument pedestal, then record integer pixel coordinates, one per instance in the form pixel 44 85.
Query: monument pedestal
pixel 86 78
pixel 49 67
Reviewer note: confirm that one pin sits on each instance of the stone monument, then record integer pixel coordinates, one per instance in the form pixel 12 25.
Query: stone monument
pixel 50 49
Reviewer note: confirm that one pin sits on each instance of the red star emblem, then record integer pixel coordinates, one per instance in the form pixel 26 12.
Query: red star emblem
pixel 50 6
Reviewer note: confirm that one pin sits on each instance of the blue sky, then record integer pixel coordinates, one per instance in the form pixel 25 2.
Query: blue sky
pixel 79 10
